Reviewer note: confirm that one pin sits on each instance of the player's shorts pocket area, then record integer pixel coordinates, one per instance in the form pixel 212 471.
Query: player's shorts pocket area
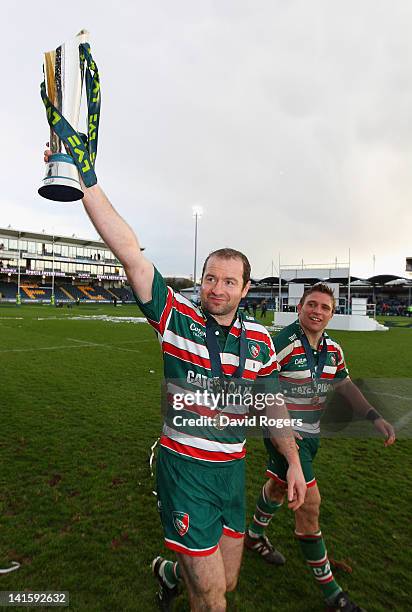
pixel 198 503
pixel 277 465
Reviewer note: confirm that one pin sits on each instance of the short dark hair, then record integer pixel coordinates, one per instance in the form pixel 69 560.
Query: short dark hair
pixel 227 253
pixel 321 288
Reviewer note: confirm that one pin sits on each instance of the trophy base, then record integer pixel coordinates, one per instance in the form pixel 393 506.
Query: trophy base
pixel 62 182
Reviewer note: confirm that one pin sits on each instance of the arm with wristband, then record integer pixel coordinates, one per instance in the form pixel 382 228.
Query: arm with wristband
pixel 364 409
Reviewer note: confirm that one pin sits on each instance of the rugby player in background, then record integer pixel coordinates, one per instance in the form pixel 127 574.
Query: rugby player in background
pixel 310 362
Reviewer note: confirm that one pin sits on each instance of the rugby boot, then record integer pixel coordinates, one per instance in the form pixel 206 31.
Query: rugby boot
pixel 165 594
pixel 343 603
pixel 265 549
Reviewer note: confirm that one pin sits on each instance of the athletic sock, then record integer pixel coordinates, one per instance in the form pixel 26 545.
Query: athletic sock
pixel 170 572
pixel 315 553
pixel 264 511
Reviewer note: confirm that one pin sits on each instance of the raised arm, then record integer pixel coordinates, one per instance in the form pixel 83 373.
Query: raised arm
pixel 119 237
pixel 121 240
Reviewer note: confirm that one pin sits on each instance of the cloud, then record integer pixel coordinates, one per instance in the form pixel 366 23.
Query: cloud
pixel 289 121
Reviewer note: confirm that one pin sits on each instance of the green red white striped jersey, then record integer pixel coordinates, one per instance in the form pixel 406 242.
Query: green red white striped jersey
pixel 181 328
pixel 303 400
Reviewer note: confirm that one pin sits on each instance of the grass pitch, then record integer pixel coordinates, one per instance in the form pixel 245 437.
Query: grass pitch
pixel 79 411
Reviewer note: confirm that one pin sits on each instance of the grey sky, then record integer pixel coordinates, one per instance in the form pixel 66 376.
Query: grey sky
pixel 287 120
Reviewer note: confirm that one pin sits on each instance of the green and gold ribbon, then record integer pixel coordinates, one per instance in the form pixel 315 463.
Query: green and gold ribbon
pixel 82 147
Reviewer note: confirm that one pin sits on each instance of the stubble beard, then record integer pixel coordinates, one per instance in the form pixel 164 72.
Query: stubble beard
pixel 217 309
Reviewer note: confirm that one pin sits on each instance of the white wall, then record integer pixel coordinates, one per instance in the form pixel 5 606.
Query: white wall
pixel 359 306
pixel 295 292
pixel 341 322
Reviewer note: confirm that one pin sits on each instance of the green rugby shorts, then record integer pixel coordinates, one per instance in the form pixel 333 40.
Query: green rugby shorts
pixel 199 502
pixel 278 466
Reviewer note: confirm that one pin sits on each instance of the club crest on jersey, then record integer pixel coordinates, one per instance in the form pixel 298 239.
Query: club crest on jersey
pixel 333 360
pixel 181 522
pixel 254 349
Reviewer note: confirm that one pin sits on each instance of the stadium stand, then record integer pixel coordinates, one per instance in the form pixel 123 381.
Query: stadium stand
pixel 123 294
pixel 85 270
pixel 85 293
pixel 90 293
pixel 36 292
pixel 60 295
pixel 63 293
pixel 8 290
pixel 66 294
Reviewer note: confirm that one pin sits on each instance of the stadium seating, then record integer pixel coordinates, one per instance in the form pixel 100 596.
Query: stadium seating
pixel 123 294
pixel 63 293
pixel 35 292
pixel 85 293
pixel 61 296
pixel 8 290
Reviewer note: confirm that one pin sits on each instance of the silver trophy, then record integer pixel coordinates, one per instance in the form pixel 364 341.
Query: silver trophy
pixel 64 75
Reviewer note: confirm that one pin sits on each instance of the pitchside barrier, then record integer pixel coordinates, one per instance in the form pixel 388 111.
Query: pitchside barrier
pixel 339 322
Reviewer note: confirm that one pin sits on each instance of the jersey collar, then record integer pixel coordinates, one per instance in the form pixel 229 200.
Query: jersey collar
pixel 300 332
pixel 238 317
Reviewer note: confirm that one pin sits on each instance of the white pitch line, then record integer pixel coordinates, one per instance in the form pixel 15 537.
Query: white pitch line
pixel 42 348
pixel 119 348
pixel 85 342
pixel 406 418
pixel 402 397
pixel 81 344
pixel 104 318
pixel 122 342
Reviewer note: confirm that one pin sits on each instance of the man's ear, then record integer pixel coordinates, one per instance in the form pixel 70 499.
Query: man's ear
pixel 299 307
pixel 245 289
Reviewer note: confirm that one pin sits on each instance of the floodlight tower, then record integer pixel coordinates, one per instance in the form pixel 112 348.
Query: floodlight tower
pixel 18 296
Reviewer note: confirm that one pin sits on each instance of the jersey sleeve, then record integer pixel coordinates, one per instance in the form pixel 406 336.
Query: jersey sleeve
pixel 341 368
pixel 158 309
pixel 268 375
pixel 283 352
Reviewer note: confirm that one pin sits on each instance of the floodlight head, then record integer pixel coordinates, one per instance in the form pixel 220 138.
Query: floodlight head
pixel 197 211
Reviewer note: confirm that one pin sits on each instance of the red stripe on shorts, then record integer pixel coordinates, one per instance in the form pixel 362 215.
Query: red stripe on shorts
pixel 189 551
pixel 227 531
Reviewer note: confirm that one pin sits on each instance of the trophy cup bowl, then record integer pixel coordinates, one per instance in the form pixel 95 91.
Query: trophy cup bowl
pixel 64 76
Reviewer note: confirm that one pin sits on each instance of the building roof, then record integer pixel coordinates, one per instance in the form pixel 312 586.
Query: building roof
pixel 381 279
pixel 85 242
pixel 305 281
pixel 272 280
